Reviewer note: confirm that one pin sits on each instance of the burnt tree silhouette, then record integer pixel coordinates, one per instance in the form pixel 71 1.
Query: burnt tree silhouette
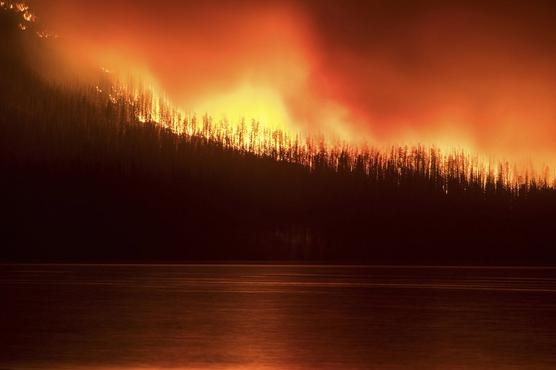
pixel 88 176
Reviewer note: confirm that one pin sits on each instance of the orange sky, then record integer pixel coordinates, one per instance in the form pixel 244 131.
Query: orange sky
pixel 479 74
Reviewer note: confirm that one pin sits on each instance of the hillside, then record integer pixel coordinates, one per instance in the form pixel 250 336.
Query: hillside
pixel 84 180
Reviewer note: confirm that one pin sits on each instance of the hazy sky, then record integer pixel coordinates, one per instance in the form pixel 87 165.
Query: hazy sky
pixel 477 73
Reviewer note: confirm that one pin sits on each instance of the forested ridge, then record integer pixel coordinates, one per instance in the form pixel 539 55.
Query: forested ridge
pixel 83 179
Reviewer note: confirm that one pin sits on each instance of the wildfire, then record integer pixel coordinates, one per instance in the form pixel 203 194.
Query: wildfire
pixel 21 8
pixel 248 119
pixel 260 104
pixel 255 115
pixel 28 18
pixel 268 132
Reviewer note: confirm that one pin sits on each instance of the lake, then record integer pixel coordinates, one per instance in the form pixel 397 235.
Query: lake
pixel 259 317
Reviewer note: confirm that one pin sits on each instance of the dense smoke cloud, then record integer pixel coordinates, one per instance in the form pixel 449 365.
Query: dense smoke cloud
pixel 481 75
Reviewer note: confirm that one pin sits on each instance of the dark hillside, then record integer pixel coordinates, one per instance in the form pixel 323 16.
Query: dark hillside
pixel 83 180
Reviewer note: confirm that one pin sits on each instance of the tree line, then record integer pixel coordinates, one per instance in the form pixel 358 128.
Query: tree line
pixel 88 175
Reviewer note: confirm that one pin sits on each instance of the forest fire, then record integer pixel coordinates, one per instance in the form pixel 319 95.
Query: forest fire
pixel 151 105
pixel 278 184
pixel 280 101
pixel 269 132
pixel 280 67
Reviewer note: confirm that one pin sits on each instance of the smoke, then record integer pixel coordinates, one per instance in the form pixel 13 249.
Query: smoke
pixel 476 75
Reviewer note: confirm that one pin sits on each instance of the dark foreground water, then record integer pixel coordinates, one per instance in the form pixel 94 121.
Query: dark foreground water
pixel 276 317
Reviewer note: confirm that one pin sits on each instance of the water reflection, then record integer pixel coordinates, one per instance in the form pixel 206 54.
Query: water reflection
pixel 276 317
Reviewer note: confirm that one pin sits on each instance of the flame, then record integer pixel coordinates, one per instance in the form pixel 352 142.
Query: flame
pixel 22 7
pixel 28 16
pixel 248 118
pixel 270 132
pixel 247 101
pixel 274 95
pixel 19 7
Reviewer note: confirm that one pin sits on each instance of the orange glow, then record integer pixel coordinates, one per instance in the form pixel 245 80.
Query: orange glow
pixel 370 78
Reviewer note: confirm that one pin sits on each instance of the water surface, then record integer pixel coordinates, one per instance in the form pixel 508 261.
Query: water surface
pixel 276 317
